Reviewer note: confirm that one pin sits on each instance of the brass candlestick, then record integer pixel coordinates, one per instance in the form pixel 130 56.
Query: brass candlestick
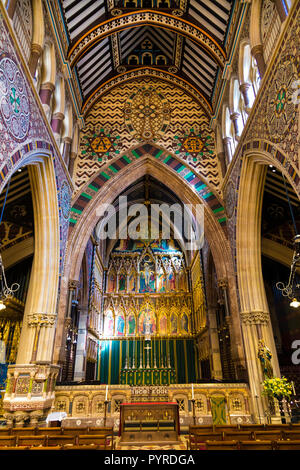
pixel 194 415
pixel 105 411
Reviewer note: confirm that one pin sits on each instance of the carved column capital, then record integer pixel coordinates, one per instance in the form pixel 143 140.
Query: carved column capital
pixel 73 284
pixel 255 318
pixel 41 319
pixel 223 283
pixel 257 52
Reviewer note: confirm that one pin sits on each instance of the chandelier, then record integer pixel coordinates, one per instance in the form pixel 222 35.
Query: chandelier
pixel 5 291
pixel 289 289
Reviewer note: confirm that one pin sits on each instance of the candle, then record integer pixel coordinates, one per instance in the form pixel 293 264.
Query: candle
pixel 192 391
pixel 106 392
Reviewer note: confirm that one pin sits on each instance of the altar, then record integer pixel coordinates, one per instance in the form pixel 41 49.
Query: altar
pixel 149 422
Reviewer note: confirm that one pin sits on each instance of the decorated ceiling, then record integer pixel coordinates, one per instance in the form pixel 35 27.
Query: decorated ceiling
pixel 188 39
pixel 147 110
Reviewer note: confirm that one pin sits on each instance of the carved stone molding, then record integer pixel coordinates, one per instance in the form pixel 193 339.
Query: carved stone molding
pixel 41 319
pixel 223 283
pixel 255 318
pixel 73 284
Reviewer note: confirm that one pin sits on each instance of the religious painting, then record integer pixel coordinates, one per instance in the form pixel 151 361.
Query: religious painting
pixel 147 276
pixel 132 282
pixel 120 325
pixel 163 325
pixel 109 324
pixel 131 325
pixel 173 324
pixel 184 323
pixel 163 245
pixel 172 282
pixel 182 280
pixel 122 282
pixel 161 282
pixel 111 282
pixel 146 317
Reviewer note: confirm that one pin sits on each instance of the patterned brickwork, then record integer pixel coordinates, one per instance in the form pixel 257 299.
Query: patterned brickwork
pixel 23 131
pixel 181 169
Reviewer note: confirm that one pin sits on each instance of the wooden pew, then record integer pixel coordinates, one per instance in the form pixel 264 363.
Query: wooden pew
pixel 14 448
pixel 47 448
pixel 252 427
pixel 288 445
pixel 256 445
pixel 267 435
pixel 5 430
pixel 24 431
pixel 49 431
pixel 199 439
pixel 221 445
pixel 61 440
pixel 225 428
pixel 30 441
pixel 8 441
pixel 93 439
pixel 87 447
pixel 74 431
pixel 238 436
pixel 293 435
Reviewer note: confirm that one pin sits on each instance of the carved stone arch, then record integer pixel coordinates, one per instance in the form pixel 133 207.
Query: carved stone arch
pixel 255 317
pixel 145 165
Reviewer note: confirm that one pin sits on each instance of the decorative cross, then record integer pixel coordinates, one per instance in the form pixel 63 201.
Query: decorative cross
pixel 14 101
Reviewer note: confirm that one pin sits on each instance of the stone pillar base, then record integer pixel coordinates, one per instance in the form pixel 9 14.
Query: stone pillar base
pixel 29 393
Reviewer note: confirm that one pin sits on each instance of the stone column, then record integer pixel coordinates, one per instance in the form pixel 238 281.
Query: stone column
pixel 214 341
pixel 220 149
pixel 244 87
pixel 234 117
pixel 257 52
pixel 228 149
pixel 73 285
pixel 80 360
pixel 29 384
pixel 56 124
pixel 46 92
pixel 256 326
pixel 35 54
pixel 67 141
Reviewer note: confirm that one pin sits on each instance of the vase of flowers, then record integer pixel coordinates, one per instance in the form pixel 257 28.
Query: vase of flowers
pixel 280 389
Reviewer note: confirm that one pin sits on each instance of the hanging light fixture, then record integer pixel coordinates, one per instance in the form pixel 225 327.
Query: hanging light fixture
pixel 289 289
pixel 5 291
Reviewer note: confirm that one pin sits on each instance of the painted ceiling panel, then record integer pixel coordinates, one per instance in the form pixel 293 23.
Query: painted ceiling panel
pixel 192 62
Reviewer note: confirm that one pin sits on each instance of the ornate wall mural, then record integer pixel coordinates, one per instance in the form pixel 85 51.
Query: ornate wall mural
pixel 23 130
pixel 148 109
pixel 147 114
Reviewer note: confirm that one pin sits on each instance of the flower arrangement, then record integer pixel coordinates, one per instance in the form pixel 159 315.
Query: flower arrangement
pixel 277 388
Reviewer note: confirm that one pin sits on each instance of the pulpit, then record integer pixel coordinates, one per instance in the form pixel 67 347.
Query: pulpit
pixel 149 423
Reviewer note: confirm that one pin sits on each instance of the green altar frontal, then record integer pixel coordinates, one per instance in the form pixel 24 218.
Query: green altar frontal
pixel 158 376
pixel 138 362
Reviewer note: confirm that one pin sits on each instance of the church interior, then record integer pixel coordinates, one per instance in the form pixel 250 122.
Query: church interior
pixel 118 120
